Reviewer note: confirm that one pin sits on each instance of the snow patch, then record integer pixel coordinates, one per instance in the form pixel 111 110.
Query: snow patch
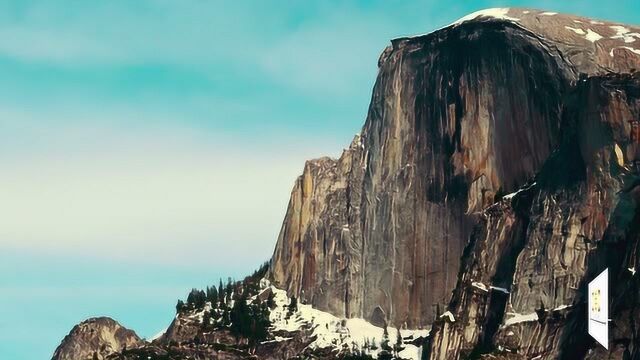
pixel 496 13
pixel 448 315
pixel 635 51
pixel 501 289
pixel 592 36
pixel 520 318
pixel 480 286
pixel 510 196
pixel 575 30
pixel 549 13
pixel 624 33
pixel 331 331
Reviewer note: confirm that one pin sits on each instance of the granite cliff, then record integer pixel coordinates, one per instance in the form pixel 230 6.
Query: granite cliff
pixel 493 178
pixel 458 118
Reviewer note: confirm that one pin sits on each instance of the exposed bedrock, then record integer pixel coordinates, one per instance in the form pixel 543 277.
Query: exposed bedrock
pixel 458 118
pixel 96 338
pixel 522 286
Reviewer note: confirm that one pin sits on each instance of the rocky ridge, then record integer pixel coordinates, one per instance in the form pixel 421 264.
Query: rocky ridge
pixel 458 118
pixel 492 179
pixel 96 338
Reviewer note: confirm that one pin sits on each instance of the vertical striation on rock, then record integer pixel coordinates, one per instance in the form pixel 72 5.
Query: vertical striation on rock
pixel 494 177
pixel 578 218
pixel 458 118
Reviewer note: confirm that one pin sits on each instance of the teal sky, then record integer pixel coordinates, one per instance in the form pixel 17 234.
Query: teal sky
pixel 147 147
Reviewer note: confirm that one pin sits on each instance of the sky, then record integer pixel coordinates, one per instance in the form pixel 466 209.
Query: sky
pixel 147 147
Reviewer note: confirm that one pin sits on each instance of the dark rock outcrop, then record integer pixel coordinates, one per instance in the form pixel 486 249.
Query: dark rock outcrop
pixel 96 338
pixel 458 118
pixel 542 246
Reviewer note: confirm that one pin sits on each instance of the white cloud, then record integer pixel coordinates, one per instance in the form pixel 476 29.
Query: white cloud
pixel 163 194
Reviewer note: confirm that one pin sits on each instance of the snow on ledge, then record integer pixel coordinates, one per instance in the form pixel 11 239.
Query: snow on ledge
pixel 635 51
pixel 479 285
pixel 449 316
pixel 576 30
pixel 331 331
pixel 592 36
pixel 501 289
pixel 496 13
pixel 624 34
pixel 520 318
pixel 510 196
pixel 562 307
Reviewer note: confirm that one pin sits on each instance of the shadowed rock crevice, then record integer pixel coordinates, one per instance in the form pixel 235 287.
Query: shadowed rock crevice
pixel 457 117
pixel 577 224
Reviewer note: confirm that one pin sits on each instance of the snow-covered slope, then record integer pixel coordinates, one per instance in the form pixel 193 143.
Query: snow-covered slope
pixel 333 332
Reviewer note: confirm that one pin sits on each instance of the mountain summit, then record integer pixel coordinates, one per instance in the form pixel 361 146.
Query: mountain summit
pixel 494 176
pixel 458 118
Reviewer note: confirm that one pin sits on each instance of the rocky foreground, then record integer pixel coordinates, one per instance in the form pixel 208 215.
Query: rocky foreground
pixel 206 328
pixel 495 175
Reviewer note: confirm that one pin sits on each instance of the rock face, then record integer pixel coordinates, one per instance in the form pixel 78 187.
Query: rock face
pixel 523 283
pixel 96 338
pixel 458 118
pixel 493 179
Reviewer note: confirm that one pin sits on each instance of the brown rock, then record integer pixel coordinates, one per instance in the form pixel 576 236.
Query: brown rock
pixel 457 117
pixel 95 338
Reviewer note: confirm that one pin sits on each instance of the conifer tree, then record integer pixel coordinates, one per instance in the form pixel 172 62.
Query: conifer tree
pixel 293 306
pixel 179 306
pixel 206 320
pixel 221 292
pixel 385 353
pixel 212 295
pixel 271 300
pixel 399 345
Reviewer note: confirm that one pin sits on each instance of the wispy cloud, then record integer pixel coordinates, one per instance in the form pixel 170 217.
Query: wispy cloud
pixel 170 193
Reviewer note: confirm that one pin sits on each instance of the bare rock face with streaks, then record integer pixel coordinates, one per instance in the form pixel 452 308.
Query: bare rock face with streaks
pixel 494 177
pixel 96 338
pixel 458 118
pixel 523 283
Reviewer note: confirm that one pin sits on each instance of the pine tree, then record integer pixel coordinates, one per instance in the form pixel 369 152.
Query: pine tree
pixel 196 298
pixel 179 306
pixel 424 353
pixel 206 320
pixel 385 353
pixel 385 339
pixel 240 320
pixel 221 292
pixel 229 291
pixel 399 345
pixel 212 295
pixel 374 345
pixel 293 306
pixel 271 300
